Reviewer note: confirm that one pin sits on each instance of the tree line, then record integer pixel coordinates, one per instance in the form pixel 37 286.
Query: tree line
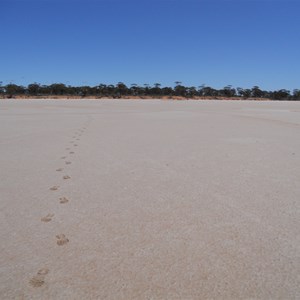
pixel 156 90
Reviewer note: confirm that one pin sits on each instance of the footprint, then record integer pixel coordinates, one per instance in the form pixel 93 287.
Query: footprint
pixel 43 271
pixel 68 162
pixel 77 139
pixel 59 169
pixel 54 188
pixel 67 148
pixel 63 157
pixel 63 200
pixel 61 240
pixel 72 152
pixel 39 279
pixel 75 145
pixel 47 218
pixel 66 177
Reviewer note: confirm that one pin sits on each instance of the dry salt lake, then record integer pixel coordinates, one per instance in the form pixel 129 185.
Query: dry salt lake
pixel 149 199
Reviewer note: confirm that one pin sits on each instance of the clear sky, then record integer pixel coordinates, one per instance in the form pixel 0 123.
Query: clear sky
pixel 218 42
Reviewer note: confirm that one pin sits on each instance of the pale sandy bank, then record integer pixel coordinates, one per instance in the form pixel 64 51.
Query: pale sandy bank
pixel 149 199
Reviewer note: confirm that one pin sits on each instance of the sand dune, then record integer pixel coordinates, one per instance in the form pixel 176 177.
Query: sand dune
pixel 120 199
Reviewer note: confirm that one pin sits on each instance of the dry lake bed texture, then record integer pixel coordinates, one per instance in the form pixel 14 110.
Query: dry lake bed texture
pixel 120 199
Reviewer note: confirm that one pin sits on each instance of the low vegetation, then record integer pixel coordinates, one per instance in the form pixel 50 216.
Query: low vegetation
pixel 120 90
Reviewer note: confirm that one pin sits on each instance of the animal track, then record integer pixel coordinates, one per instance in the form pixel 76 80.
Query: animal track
pixel 67 148
pixel 63 200
pixel 47 218
pixel 72 152
pixel 39 279
pixel 59 169
pixel 54 188
pixel 61 240
pixel 66 177
pixel 63 157
pixel 68 162
pixel 43 271
pixel 75 145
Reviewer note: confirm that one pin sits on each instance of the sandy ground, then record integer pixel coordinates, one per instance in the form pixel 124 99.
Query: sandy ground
pixel 123 199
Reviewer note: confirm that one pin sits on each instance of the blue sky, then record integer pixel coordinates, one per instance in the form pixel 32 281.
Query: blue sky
pixel 218 42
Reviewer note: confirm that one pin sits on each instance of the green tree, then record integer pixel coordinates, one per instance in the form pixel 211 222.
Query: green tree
pixel 282 94
pixel 207 91
pixel 192 91
pixel 12 89
pixel 179 89
pixel 296 94
pixel 57 89
pixel 228 91
pixel 33 89
pixel 146 89
pixel 167 91
pixel 1 88
pixel 156 90
pixel 201 89
pixel 245 93
pixel 121 89
pixel 256 92
pixel 134 89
